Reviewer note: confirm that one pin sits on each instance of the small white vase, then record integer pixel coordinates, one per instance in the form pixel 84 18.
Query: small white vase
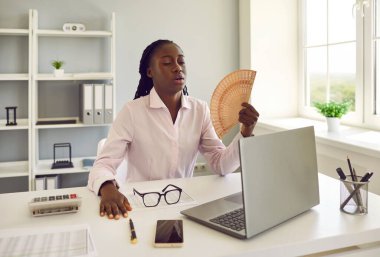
pixel 59 73
pixel 333 124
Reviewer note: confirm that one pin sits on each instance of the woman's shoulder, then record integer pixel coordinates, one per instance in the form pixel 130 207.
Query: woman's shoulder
pixel 133 107
pixel 136 103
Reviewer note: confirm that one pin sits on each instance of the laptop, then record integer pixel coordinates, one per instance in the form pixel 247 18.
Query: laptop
pixel 279 181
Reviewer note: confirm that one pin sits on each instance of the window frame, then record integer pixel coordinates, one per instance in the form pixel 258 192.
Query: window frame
pixel 370 118
pixel 364 92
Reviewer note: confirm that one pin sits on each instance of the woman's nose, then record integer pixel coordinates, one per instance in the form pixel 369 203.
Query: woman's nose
pixel 177 67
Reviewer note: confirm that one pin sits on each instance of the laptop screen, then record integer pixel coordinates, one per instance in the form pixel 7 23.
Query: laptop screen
pixel 279 177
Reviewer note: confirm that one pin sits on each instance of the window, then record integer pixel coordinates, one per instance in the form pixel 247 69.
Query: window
pixel 340 57
pixel 373 55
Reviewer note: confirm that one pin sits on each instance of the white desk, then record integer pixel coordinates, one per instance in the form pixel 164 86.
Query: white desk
pixel 321 229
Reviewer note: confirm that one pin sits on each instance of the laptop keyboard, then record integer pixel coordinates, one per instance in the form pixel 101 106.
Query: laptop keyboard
pixel 234 220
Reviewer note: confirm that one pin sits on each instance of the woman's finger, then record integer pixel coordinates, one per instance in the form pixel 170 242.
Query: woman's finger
pixel 108 210
pixel 115 211
pixel 127 204
pixel 102 209
pixel 250 108
pixel 122 208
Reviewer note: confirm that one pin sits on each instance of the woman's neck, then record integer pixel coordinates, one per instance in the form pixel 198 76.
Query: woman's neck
pixel 173 103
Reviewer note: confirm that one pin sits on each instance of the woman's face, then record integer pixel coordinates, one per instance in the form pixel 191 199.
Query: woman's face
pixel 167 69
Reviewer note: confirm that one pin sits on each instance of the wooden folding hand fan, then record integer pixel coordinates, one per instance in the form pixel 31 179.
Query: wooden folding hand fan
pixel 231 92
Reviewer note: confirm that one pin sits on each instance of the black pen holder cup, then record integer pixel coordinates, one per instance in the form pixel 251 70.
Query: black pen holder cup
pixel 354 196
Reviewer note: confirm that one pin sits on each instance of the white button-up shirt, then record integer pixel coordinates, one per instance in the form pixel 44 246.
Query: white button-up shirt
pixel 155 148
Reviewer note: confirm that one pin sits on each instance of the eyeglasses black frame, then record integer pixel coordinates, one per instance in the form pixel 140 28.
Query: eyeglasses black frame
pixel 164 192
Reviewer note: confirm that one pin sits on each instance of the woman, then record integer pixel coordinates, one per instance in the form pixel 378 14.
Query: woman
pixel 161 131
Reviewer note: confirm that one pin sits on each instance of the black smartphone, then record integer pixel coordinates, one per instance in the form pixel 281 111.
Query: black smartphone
pixel 169 233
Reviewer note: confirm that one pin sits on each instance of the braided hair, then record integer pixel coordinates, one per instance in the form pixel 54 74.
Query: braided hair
pixel 146 83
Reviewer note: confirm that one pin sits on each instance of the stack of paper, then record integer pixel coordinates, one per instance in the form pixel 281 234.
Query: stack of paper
pixel 48 242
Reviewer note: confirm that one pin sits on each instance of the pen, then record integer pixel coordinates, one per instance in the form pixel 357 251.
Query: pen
pixel 133 232
pixel 353 176
pixel 365 178
pixel 341 173
pixel 342 176
pixel 358 195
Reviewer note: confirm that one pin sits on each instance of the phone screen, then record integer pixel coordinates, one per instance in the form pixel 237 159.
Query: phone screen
pixel 169 233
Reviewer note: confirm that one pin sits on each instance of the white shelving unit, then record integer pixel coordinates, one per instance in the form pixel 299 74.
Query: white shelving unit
pixel 14 77
pixel 77 76
pixel 60 33
pixel 14 32
pixel 14 169
pixel 32 79
pixel 43 166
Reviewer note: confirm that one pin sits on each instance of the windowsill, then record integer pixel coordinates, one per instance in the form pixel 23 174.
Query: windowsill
pixel 355 139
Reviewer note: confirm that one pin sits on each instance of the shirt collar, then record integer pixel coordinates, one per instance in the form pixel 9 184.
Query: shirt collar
pixel 156 102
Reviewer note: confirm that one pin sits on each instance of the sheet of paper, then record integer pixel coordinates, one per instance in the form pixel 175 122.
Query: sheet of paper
pixel 137 202
pixel 66 241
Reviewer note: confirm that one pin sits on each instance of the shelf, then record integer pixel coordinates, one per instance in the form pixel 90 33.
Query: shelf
pixel 14 169
pixel 76 76
pixel 14 76
pixel 44 167
pixel 21 124
pixel 61 33
pixel 36 82
pixel 77 125
pixel 14 32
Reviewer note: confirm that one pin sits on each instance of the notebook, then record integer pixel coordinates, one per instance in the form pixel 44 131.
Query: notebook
pixel 279 178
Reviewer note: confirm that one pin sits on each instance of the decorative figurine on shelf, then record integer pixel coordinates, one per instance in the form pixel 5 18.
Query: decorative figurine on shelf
pixel 11 108
pixel 58 71
pixel 74 27
pixel 60 164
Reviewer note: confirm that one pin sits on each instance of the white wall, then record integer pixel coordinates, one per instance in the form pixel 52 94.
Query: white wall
pixel 207 31
pixel 272 52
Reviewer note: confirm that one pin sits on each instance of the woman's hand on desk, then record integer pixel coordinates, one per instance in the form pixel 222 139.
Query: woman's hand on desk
pixel 113 203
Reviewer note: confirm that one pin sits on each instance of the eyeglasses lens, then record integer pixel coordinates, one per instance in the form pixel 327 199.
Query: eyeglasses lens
pixel 172 196
pixel 151 199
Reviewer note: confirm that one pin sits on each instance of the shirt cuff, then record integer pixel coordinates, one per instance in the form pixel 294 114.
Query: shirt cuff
pixel 99 182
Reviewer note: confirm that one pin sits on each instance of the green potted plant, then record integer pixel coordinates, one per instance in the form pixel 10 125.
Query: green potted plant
pixel 333 111
pixel 57 65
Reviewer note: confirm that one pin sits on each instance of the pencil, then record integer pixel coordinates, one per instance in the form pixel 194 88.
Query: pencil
pixel 133 232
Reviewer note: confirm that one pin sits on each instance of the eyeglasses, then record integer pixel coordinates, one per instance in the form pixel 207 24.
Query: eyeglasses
pixel 152 199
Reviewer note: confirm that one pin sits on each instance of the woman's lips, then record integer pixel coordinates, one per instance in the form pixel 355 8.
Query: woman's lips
pixel 179 80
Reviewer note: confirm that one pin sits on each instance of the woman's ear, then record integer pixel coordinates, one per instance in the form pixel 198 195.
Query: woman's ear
pixel 149 72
